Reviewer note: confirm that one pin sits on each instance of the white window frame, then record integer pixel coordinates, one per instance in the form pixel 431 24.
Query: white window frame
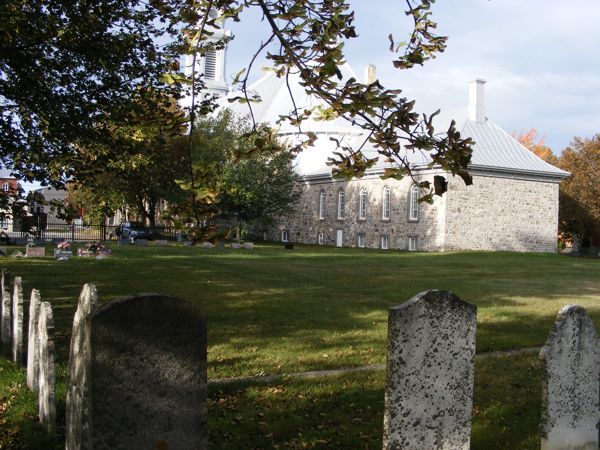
pixel 413 244
pixel 413 203
pixel 285 236
pixel 320 238
pixel 360 241
pixel 5 186
pixel 341 204
pixel 322 205
pixel 386 203
pixel 362 204
pixel 384 242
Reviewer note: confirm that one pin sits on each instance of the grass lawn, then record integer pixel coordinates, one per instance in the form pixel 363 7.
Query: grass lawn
pixel 276 311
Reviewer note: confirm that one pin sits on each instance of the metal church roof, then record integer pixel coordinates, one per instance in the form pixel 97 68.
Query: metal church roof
pixel 494 150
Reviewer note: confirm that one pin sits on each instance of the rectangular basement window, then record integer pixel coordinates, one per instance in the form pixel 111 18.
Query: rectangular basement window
pixel 412 244
pixel 361 241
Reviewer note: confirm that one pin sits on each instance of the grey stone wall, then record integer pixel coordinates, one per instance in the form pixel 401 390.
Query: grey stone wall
pixel 502 214
pixel 495 213
pixel 305 225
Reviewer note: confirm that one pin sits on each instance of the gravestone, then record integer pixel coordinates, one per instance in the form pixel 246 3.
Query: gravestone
pixel 236 245
pixel 161 242
pixel 429 385
pixel 3 251
pixel 21 241
pixel 35 252
pixel 248 245
pixel 570 391
pixel 47 378
pixel 33 341
pixel 6 323
pixel 140 242
pixel 18 319
pixel 148 356
pixel 122 241
pixel 77 421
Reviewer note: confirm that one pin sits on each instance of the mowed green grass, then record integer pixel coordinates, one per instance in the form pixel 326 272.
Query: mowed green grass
pixel 275 311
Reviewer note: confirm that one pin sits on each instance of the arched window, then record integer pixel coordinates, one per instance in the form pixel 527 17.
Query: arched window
pixel 320 238
pixel 385 213
pixel 341 205
pixel 413 203
pixel 5 186
pixel 285 237
pixel 362 204
pixel 322 205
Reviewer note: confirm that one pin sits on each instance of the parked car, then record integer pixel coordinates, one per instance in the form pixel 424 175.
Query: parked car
pixel 135 230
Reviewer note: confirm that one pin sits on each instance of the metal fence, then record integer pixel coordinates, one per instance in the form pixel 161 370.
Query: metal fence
pixel 76 232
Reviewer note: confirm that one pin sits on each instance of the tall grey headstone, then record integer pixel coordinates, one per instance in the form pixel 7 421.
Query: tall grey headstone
pixel 6 309
pixel 77 421
pixel 429 385
pixel 570 390
pixel 18 319
pixel 148 356
pixel 33 342
pixel 47 379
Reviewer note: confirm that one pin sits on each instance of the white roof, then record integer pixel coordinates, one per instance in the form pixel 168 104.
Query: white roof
pixel 494 149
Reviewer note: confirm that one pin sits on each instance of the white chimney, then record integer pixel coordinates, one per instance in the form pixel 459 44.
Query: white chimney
pixel 476 101
pixel 370 74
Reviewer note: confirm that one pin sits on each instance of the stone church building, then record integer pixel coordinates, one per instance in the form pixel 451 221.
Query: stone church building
pixel 512 204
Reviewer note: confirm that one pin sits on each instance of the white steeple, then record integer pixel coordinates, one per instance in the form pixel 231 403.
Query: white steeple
pixel 211 67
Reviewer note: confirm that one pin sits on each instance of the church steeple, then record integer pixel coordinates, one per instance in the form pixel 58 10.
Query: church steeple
pixel 211 66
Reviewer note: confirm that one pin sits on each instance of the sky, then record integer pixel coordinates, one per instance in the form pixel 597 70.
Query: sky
pixel 540 60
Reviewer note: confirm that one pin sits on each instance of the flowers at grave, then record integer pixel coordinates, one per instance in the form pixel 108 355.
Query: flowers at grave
pixel 94 247
pixel 64 245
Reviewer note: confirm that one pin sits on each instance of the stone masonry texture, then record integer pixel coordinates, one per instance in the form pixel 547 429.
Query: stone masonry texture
pixel 570 391
pixel 495 213
pixel 429 382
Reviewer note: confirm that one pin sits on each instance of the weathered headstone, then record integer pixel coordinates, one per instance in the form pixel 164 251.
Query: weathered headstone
pixel 18 319
pixel 141 242
pixel 147 366
pixel 6 323
pixel 122 241
pixel 78 408
pixel 35 252
pixel 429 386
pixel 248 245
pixel 47 378
pixel 161 242
pixel 33 342
pixel 570 391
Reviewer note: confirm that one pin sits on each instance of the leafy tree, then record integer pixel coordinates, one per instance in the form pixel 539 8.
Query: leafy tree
pixel 256 190
pixel 240 177
pixel 579 215
pixel 69 68
pixel 535 144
